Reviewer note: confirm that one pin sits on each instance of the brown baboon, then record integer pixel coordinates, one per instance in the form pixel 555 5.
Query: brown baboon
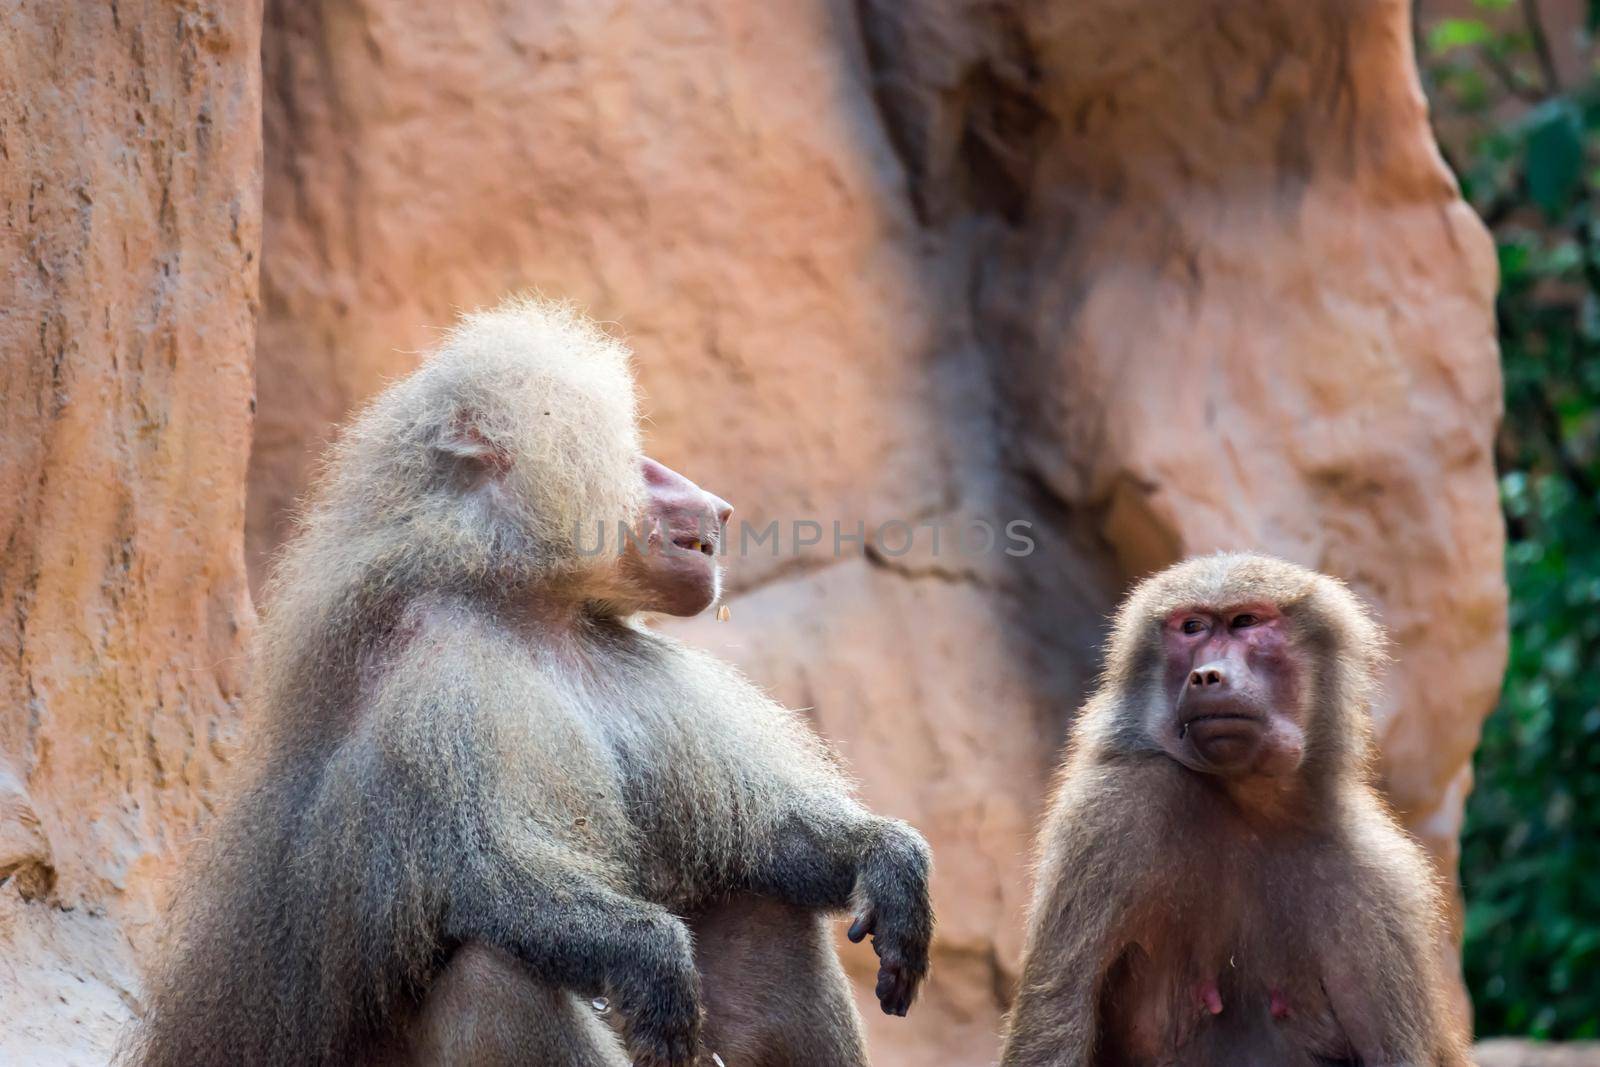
pixel 1219 883
pixel 481 794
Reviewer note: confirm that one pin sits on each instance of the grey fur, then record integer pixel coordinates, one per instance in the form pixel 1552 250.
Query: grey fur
pixel 469 758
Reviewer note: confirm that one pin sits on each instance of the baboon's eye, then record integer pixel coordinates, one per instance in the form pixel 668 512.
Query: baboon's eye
pixel 1193 626
pixel 1242 621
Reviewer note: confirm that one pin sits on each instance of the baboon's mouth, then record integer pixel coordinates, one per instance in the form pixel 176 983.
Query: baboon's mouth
pixel 694 544
pixel 1237 717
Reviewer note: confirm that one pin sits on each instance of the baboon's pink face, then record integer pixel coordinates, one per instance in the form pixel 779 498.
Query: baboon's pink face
pixel 1235 681
pixel 675 567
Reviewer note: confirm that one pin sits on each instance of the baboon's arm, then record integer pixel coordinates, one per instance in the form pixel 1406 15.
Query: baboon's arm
pixel 832 854
pixel 820 855
pixel 1383 973
pixel 571 931
pixel 1090 874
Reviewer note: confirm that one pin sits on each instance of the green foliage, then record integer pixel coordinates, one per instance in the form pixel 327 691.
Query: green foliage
pixel 1450 34
pixel 1527 151
pixel 1554 156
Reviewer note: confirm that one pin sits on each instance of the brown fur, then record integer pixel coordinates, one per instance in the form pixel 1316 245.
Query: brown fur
pixel 1154 879
pixel 481 793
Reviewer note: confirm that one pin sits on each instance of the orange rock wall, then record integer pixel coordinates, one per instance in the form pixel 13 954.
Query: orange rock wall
pixel 130 224
pixel 1156 278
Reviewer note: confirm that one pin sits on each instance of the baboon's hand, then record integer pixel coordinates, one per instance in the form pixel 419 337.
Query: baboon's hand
pixel 902 959
pixel 663 1025
pixel 898 916
pixel 660 1002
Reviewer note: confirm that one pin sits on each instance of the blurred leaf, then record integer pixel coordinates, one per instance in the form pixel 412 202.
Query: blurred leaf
pixel 1555 155
pixel 1450 34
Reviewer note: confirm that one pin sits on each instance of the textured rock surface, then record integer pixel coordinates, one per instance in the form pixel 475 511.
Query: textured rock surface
pixel 1159 278
pixel 1156 278
pixel 130 178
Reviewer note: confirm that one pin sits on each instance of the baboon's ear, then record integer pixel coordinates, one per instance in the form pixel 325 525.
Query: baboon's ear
pixel 466 448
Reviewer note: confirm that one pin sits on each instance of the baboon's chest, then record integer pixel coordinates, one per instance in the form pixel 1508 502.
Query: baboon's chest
pixel 665 777
pixel 1218 982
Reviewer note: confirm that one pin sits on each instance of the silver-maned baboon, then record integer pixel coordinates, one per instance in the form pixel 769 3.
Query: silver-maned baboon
pixel 1219 884
pixel 481 793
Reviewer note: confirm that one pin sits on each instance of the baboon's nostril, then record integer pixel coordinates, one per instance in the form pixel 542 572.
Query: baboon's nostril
pixel 1205 676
